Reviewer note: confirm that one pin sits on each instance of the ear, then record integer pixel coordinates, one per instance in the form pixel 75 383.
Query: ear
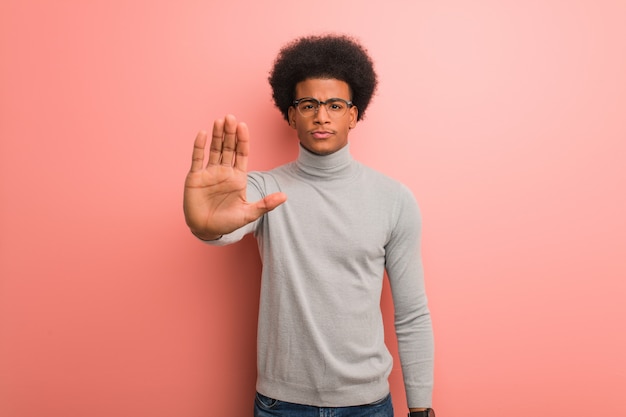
pixel 354 113
pixel 292 117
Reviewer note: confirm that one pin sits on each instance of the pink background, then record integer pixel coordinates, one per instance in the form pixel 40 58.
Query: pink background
pixel 505 118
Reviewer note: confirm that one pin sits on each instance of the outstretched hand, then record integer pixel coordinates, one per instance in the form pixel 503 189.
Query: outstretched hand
pixel 215 195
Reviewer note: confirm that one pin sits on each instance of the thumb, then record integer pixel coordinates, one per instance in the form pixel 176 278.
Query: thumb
pixel 266 204
pixel 272 201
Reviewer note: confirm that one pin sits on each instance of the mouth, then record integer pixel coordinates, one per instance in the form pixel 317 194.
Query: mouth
pixel 321 134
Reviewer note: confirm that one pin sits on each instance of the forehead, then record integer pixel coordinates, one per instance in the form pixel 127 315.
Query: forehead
pixel 323 88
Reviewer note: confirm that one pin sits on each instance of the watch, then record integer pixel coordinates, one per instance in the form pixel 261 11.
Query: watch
pixel 429 412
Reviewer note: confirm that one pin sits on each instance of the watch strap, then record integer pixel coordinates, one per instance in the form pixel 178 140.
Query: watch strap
pixel 425 413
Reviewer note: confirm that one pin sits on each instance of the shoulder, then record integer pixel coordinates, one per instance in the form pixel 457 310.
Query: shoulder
pixel 387 185
pixel 399 199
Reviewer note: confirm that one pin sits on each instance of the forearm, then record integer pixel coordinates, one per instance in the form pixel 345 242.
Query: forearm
pixel 416 351
pixel 415 336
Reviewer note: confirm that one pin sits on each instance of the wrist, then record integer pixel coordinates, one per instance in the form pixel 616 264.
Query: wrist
pixel 421 412
pixel 205 237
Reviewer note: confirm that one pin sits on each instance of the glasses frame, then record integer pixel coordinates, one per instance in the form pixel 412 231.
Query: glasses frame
pixel 320 103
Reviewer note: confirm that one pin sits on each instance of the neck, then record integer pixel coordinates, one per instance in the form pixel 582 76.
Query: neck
pixel 336 165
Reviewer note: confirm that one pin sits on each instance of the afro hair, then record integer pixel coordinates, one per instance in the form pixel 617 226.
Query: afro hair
pixel 329 56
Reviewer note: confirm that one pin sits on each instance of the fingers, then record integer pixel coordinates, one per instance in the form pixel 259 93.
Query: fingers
pixel 217 140
pixel 197 157
pixel 230 140
pixel 243 146
pixel 229 143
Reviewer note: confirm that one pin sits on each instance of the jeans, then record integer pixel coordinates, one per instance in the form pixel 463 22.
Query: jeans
pixel 269 407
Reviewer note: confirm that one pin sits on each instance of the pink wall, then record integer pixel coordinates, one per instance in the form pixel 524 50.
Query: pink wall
pixel 506 119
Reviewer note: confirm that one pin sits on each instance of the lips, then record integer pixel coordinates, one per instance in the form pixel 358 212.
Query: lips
pixel 321 134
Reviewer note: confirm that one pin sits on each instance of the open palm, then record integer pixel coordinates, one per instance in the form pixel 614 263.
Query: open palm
pixel 215 195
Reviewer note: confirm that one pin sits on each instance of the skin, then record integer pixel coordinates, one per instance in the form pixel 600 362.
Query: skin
pixel 214 200
pixel 320 133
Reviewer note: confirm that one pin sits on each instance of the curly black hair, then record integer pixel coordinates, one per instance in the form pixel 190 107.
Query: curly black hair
pixel 323 56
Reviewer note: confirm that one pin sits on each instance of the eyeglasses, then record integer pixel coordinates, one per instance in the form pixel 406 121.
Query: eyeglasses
pixel 309 106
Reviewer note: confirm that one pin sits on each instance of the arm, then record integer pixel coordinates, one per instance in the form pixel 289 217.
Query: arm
pixel 412 317
pixel 214 200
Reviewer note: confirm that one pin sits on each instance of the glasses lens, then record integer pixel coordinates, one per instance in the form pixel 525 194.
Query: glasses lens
pixel 308 107
pixel 336 107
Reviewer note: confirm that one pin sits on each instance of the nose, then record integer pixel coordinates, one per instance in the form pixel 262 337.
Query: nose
pixel 321 116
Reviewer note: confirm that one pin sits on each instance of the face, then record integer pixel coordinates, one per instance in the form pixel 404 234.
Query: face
pixel 322 133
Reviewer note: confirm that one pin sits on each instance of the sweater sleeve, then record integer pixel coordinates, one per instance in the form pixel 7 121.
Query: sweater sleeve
pixel 413 325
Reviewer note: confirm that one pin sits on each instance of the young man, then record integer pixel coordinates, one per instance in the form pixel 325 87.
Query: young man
pixel 327 228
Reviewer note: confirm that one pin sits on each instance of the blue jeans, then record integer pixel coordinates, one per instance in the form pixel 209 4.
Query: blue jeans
pixel 269 407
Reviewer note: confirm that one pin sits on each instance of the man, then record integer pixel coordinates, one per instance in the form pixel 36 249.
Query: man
pixel 327 228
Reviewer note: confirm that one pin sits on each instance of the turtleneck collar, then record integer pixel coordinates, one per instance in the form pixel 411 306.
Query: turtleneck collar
pixel 339 164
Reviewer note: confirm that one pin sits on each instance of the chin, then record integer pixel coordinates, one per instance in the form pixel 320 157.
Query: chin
pixel 321 150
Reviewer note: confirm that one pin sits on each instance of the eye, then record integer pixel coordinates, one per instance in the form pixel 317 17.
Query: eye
pixel 307 105
pixel 336 105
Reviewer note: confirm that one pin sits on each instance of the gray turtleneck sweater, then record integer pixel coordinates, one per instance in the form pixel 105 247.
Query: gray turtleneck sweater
pixel 324 254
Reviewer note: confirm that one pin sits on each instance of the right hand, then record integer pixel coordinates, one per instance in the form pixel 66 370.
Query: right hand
pixel 215 195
